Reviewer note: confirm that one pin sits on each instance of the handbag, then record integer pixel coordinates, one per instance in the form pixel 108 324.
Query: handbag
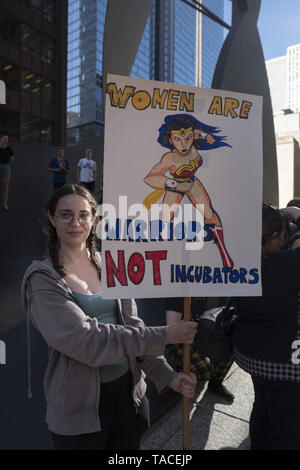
pixel 214 332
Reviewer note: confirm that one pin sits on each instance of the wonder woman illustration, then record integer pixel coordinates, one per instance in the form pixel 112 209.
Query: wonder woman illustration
pixel 183 135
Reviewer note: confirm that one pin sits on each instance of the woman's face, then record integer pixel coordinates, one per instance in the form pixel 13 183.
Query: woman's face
pixel 72 220
pixel 182 141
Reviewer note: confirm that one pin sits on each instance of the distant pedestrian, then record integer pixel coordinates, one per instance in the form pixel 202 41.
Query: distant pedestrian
pixel 87 171
pixel 60 168
pixel 6 159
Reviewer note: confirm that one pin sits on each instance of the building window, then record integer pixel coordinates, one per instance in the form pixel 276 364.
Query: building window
pixel 10 74
pixel 45 8
pixel 38 44
pixel 35 130
pixel 36 87
pixel 47 54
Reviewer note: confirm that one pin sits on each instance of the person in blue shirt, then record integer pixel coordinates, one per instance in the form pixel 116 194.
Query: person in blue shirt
pixel 60 168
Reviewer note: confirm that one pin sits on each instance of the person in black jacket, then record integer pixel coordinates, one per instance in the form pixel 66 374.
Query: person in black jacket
pixel 266 337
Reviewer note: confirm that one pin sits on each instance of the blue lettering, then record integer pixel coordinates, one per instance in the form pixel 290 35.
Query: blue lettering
pixel 217 277
pixel 179 231
pixel 243 273
pixel 198 273
pixel 254 272
pixel 209 234
pixel 156 227
pixel 234 276
pixel 192 230
pixel 180 275
pixel 171 231
pixel 113 233
pixel 189 275
pixel 226 271
pixel 128 231
pixel 172 272
pixel 206 275
pixel 140 227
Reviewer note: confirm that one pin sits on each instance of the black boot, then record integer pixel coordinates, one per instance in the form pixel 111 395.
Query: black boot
pixel 218 388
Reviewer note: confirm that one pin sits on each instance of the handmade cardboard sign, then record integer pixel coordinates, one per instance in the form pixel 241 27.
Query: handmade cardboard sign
pixel 182 191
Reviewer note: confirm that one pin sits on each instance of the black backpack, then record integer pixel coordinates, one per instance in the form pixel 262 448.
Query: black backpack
pixel 214 333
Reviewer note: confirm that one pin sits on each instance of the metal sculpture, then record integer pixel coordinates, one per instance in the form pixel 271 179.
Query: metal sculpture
pixel 241 67
pixel 124 26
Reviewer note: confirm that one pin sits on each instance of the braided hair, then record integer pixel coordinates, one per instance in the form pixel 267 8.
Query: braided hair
pixel 50 231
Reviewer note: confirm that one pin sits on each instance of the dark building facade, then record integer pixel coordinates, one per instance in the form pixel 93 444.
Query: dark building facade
pixel 33 57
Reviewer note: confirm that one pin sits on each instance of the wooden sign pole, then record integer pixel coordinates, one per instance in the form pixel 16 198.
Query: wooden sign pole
pixel 186 370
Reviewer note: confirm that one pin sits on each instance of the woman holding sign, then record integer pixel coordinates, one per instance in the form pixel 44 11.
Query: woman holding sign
pixel 184 135
pixel 99 350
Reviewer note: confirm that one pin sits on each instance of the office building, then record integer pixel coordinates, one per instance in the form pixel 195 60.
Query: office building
pixel 86 21
pixel 33 67
pixel 293 78
pixel 179 45
pixel 284 80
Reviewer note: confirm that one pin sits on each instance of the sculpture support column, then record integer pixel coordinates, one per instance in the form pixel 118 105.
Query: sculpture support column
pixel 241 67
pixel 124 27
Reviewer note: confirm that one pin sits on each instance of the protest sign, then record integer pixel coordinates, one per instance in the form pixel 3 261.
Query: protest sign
pixel 182 191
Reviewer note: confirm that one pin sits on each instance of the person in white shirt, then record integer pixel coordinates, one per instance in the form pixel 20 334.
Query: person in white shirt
pixel 87 171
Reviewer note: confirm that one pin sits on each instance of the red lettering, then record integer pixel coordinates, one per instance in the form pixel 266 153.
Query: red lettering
pixel 136 260
pixel 156 257
pixel 112 270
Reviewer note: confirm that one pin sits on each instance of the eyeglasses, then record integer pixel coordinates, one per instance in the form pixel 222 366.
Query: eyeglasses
pixel 68 218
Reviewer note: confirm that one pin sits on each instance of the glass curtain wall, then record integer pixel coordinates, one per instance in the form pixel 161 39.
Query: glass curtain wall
pixel 84 83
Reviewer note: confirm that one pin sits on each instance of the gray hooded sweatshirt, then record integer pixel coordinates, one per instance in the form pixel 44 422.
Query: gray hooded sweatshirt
pixel 78 345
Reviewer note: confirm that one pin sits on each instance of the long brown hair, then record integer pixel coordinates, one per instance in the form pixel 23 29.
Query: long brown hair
pixel 50 231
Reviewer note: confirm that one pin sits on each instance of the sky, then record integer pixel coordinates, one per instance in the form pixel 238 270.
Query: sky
pixel 278 25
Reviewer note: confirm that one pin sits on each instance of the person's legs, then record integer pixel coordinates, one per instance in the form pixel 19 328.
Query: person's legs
pixel 220 369
pixel 90 441
pixel 96 440
pixel 129 423
pixel 259 420
pixel 218 373
pixel 200 366
pixel 283 408
pixel 121 425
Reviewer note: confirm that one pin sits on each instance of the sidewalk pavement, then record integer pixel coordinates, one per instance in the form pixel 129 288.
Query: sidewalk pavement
pixel 214 424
